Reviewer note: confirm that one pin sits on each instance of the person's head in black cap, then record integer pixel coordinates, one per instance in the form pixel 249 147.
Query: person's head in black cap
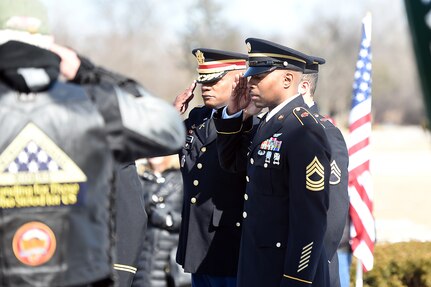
pixel 275 72
pixel 308 84
pixel 217 70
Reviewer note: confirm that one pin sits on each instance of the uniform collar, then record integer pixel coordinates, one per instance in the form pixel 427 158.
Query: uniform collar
pixel 279 107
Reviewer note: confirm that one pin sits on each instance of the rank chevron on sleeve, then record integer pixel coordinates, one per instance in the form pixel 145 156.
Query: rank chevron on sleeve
pixel 315 176
pixel 335 173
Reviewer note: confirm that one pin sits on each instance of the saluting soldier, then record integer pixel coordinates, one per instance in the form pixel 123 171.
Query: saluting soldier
pixel 213 198
pixel 338 182
pixel 288 172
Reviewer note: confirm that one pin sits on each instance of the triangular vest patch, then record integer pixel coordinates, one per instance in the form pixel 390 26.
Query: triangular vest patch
pixel 34 171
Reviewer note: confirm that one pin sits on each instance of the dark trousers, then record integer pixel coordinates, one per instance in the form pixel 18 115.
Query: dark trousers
pixel 200 280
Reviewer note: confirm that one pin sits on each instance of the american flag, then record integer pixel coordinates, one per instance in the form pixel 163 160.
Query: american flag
pixel 363 233
pixel 32 159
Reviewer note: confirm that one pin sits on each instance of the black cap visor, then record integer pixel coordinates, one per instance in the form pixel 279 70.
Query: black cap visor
pixel 253 71
pixel 208 78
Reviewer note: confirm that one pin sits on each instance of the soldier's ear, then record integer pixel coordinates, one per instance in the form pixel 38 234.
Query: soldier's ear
pixel 287 79
pixel 304 86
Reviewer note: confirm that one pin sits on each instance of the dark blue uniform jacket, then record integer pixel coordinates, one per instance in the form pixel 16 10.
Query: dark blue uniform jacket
pixel 213 203
pixel 287 198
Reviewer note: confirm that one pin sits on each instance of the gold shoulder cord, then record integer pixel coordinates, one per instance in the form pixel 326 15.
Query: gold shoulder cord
pixel 298 109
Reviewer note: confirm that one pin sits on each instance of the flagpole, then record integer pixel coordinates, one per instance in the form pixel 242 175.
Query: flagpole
pixel 359 279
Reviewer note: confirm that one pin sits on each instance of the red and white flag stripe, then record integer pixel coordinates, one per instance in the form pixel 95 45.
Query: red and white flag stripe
pixel 363 233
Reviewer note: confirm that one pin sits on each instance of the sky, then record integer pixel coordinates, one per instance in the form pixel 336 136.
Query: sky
pixel 256 17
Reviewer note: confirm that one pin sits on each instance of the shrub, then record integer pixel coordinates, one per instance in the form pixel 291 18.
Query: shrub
pixel 406 264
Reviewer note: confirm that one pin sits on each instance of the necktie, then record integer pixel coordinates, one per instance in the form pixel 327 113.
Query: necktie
pixel 262 123
pixel 207 127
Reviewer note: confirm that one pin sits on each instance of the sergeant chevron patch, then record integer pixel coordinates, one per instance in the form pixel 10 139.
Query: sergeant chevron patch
pixel 315 176
pixel 335 173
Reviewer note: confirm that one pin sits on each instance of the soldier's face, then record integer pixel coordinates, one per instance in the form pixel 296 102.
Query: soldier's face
pixel 266 90
pixel 216 94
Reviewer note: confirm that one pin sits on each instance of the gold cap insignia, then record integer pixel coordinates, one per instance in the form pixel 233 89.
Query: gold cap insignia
pixel 316 170
pixel 335 174
pixel 200 57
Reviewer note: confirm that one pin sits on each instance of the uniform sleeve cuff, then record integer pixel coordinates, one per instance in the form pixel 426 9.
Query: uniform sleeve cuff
pixel 125 268
pixel 226 116
pixel 292 281
pixel 228 126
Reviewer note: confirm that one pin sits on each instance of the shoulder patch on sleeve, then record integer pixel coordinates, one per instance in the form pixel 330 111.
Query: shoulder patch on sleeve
pixel 303 115
pixel 315 175
pixel 335 173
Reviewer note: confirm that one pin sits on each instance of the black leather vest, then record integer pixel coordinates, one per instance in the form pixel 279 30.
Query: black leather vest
pixel 55 189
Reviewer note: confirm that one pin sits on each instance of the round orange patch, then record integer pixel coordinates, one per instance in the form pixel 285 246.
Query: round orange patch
pixel 34 243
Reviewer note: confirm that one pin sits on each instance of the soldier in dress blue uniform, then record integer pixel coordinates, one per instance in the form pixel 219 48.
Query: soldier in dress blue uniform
pixel 213 198
pixel 338 193
pixel 288 171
